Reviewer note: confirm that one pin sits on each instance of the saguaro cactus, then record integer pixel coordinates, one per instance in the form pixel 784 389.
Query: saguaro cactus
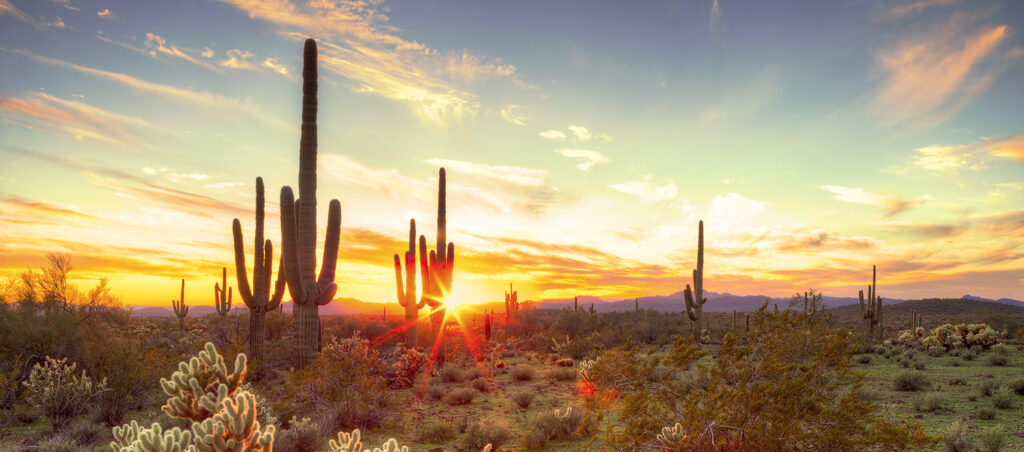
pixel 222 296
pixel 298 229
pixel 694 305
pixel 511 302
pixel 487 326
pixel 257 298
pixel 407 291
pixel 180 308
pixel 437 269
pixel 872 311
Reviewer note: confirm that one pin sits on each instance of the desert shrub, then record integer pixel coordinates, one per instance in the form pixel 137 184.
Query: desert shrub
pixel 435 392
pixel 131 372
pixel 998 359
pixel 797 383
pixel 1002 398
pixel 930 402
pixel 405 365
pixel 986 387
pixel 58 444
pixel 986 413
pixel 910 381
pixel 936 351
pixel 992 439
pixel 479 384
pixel 450 374
pixel 473 374
pixel 493 431
pixel 524 373
pixel 435 431
pixel 869 395
pixel 85 432
pixel 1017 386
pixel 968 355
pixel 59 393
pixel 919 364
pixel 955 352
pixel 565 362
pixel 954 362
pixel 971 397
pixel 343 388
pixel 302 435
pixel 864 359
pixel 956 438
pixel 460 396
pixel 958 381
pixel 562 374
pixel 523 398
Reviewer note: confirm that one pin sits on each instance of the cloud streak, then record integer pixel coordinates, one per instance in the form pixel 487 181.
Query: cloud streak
pixel 589 157
pixel 892 204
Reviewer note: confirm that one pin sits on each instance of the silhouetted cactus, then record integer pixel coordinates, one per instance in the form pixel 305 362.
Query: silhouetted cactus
pixel 222 296
pixel 407 291
pixel 257 298
pixel 694 305
pixel 298 229
pixel 436 270
pixel 872 311
pixel 180 308
pixel 511 302
pixel 487 326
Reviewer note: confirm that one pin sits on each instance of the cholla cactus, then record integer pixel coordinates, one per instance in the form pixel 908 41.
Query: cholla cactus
pixel 946 336
pixel 180 308
pixel 705 336
pixel 982 335
pixel 351 443
pixel 54 388
pixel 135 438
pixel 224 417
pixel 673 438
pixel 585 370
pixel 222 294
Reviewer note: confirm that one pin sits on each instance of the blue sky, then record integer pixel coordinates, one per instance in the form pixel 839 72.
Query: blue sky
pixel 583 140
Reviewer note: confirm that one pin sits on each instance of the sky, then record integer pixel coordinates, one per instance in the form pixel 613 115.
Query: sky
pixel 583 142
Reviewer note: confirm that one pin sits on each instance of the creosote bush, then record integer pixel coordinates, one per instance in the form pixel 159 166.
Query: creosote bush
pixel 1017 386
pixel 986 388
pixel 523 398
pixel 957 438
pixel 986 413
pixel 910 381
pixel 992 439
pixel 524 373
pixel 450 374
pixel 493 431
pixel 460 396
pixel 1002 398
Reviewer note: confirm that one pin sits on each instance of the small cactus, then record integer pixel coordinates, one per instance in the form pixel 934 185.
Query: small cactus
pixel 673 438
pixel 351 442
pixel 222 299
pixel 180 308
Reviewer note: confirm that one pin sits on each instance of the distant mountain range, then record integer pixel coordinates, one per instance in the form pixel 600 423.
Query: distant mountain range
pixel 717 302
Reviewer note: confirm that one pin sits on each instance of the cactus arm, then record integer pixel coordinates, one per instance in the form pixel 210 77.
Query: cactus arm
pixel 689 304
pixel 450 266
pixel 426 288
pixel 863 309
pixel 289 253
pixel 243 279
pixel 325 284
pixel 259 270
pixel 398 282
pixel 441 215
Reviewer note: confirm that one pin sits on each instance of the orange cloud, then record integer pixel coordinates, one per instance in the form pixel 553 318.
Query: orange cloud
pixel 160 45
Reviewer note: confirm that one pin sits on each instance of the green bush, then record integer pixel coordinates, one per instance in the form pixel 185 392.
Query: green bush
pixel 998 359
pixel 1002 398
pixel 460 396
pixel 986 387
pixel 493 431
pixel 930 403
pixel 59 445
pixel 936 351
pixel 956 438
pixel 436 431
pixel 919 364
pixel 910 381
pixel 479 384
pixel 986 413
pixel 523 398
pixel 562 374
pixel 85 432
pixel 523 373
pixel 958 382
pixel 864 359
pixel 992 439
pixel 450 374
pixel 473 374
pixel 1017 386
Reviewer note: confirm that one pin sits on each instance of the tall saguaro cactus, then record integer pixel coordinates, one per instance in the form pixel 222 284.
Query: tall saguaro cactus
pixel 407 291
pixel 222 295
pixel 511 302
pixel 872 310
pixel 180 308
pixel 695 305
pixel 437 269
pixel 298 229
pixel 257 297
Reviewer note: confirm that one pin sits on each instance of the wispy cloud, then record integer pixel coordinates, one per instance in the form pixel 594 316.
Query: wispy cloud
pixel 929 77
pixel 7 8
pixel 556 135
pixel 56 23
pixel 911 7
pixel 203 98
pixel 580 132
pixel 66 4
pixel 941 158
pixel 647 190
pixel 514 175
pixel 1011 147
pixel 589 157
pixel 272 64
pixel 106 14
pixel 238 59
pixel 159 45
pixel 509 114
pixel 892 204
pixel 733 208
pixel 357 43
pixel 83 121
